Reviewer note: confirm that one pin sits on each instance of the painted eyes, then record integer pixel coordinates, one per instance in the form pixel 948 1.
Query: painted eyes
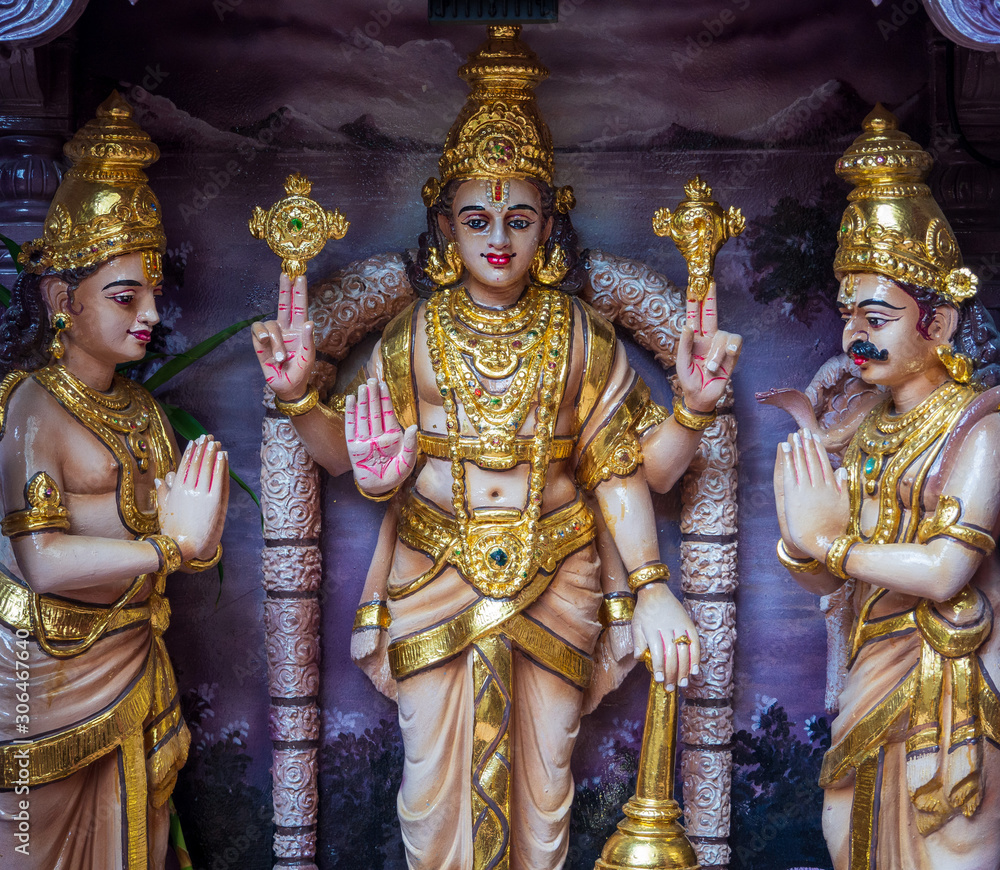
pixel 123 298
pixel 479 223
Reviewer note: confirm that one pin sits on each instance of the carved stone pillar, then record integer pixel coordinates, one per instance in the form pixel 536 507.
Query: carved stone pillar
pixel 292 574
pixel 708 580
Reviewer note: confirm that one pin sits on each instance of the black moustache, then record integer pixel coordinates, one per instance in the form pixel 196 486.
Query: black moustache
pixel 867 350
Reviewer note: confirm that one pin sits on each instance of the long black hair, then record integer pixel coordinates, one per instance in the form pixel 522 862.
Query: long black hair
pixel 976 335
pixel 25 329
pixel 563 234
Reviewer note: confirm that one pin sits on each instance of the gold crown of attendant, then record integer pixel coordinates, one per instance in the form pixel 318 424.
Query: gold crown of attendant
pixel 499 134
pixel 893 225
pixel 103 207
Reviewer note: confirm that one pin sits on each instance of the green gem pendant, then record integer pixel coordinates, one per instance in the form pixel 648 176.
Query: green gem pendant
pixel 498 557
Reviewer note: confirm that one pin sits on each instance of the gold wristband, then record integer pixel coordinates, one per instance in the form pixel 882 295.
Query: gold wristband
pixel 204 564
pixel 300 406
pixel 693 420
pixel 799 566
pixel 648 574
pixel 385 496
pixel 836 556
pixel 169 552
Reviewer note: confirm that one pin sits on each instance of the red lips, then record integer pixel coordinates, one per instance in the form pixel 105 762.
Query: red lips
pixel 498 259
pixel 141 335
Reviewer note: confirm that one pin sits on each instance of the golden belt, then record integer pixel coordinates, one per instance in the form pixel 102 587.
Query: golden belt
pixel 65 621
pixel 514 450
pixel 493 558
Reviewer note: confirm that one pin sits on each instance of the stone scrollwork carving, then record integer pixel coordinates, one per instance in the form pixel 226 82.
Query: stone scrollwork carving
pixel 35 22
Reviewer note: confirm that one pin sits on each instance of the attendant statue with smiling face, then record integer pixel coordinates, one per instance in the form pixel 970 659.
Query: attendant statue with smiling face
pixel 96 514
pixel 495 413
pixel 909 522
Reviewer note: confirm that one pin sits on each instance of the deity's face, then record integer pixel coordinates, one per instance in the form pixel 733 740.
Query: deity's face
pixel 877 311
pixel 113 310
pixel 497 235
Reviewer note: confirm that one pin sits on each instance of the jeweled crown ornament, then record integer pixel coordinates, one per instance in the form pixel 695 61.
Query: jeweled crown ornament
pixel 893 226
pixel 699 227
pixel 499 134
pixel 103 207
pixel 297 228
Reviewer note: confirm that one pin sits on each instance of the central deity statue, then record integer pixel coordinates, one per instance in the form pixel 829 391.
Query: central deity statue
pixel 502 418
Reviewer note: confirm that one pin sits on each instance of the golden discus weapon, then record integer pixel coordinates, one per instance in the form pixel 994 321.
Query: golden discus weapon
pixel 296 228
pixel 699 227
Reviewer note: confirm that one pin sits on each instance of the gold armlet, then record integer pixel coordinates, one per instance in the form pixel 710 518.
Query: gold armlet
pixel 300 406
pixel 652 416
pixel 169 552
pixel 946 522
pixel 799 566
pixel 649 574
pixel 45 509
pixel 384 496
pixel 372 615
pixel 693 420
pixel 204 564
pixel 836 556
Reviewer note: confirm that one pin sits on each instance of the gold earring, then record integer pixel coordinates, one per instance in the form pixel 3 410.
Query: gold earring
pixel 446 272
pixel 959 366
pixel 61 321
pixel 552 271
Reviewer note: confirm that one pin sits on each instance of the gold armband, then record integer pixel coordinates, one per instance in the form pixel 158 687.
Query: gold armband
pixel 384 496
pixel 300 406
pixel 648 574
pixel 946 522
pixel 652 416
pixel 615 450
pixel 799 566
pixel 374 614
pixel 836 556
pixel 696 421
pixel 204 564
pixel 169 552
pixel 45 509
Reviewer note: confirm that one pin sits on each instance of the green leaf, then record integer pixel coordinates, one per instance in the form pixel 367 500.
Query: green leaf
pixel 14 249
pixel 185 424
pixel 182 360
pixel 4 296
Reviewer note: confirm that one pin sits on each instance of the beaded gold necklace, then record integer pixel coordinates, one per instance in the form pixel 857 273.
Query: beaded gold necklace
pixel 126 410
pixel 500 556
pixel 886 445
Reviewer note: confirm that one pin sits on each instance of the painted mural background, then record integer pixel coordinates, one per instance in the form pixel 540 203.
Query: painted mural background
pixel 758 96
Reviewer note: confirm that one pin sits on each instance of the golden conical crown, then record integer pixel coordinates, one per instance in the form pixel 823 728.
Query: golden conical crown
pixel 893 225
pixel 103 207
pixel 499 133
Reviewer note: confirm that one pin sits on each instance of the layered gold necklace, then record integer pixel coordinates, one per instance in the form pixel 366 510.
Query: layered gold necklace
pixel 886 445
pixel 501 556
pixel 127 410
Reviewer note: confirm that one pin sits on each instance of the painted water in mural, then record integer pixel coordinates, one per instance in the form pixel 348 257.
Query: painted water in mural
pixel 759 97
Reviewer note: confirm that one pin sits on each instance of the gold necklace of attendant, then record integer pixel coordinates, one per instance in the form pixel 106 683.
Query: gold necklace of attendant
pixel 501 557
pixel 127 410
pixel 886 445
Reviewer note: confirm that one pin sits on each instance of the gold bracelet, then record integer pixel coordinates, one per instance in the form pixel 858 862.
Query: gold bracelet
pixel 204 564
pixel 648 574
pixel 169 552
pixel 300 406
pixel 385 496
pixel 836 556
pixel 799 566
pixel 693 420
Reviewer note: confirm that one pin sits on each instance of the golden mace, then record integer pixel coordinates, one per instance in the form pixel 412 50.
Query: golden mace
pixel 296 228
pixel 651 837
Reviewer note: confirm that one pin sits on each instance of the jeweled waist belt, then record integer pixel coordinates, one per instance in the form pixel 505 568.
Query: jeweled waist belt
pixel 493 557
pixel 63 620
pixel 471 449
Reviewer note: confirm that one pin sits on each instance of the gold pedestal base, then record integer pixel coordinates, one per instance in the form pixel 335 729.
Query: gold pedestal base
pixel 650 837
